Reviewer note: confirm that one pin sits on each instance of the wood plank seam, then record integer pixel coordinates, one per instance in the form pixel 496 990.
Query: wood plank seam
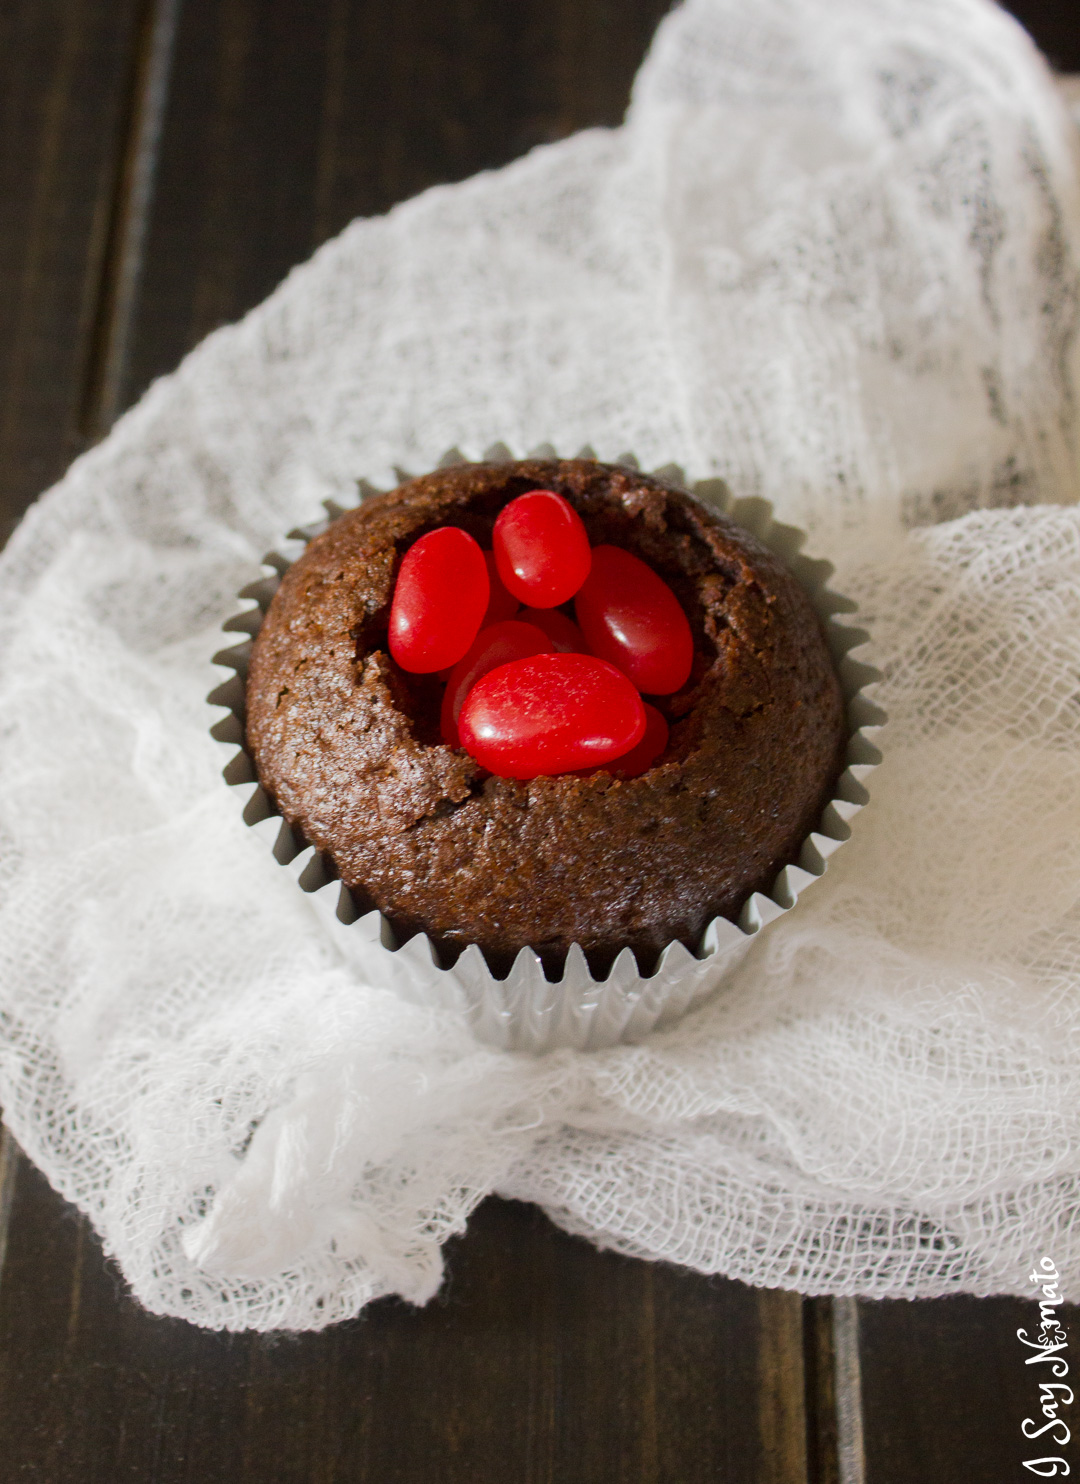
pixel 10 1154
pixel 130 248
pixel 851 1453
pixel 122 272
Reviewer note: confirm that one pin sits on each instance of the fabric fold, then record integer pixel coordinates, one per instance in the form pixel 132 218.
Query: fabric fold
pixel 833 255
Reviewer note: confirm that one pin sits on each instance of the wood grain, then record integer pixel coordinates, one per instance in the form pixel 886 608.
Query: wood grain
pixel 945 1389
pixel 287 121
pixel 161 181
pixel 781 1389
pixel 821 1384
pixel 542 1362
pixel 65 99
pixel 1053 25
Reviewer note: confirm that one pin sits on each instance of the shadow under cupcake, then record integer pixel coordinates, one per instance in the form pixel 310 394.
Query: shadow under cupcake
pixel 586 907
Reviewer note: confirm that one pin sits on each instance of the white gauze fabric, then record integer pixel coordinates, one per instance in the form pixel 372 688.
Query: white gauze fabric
pixel 833 256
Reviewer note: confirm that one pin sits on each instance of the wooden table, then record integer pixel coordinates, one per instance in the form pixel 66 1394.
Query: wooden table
pixel 163 163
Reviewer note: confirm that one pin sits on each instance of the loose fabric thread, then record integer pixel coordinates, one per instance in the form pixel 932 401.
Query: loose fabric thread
pixel 832 256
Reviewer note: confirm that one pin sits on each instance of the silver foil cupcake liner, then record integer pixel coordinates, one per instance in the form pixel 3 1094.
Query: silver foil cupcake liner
pixel 526 1011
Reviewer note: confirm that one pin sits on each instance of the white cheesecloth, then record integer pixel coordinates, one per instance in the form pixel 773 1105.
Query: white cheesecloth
pixel 832 255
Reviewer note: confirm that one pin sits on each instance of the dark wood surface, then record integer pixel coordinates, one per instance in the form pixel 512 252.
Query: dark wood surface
pixel 162 164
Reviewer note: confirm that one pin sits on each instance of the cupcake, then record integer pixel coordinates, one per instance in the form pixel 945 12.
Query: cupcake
pixel 360 757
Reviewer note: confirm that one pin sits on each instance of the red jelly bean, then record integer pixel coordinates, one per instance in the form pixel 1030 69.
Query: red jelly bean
pixel 496 645
pixel 541 549
pixel 501 604
pixel 550 714
pixel 440 597
pixel 563 632
pixel 641 758
pixel 632 619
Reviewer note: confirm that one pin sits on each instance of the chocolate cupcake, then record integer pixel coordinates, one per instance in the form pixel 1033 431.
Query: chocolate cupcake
pixel 347 745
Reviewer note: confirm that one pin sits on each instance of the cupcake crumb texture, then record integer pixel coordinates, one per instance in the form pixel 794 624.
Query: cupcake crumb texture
pixel 349 745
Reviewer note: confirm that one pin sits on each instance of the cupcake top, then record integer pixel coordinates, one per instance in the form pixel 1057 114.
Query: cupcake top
pixel 352 747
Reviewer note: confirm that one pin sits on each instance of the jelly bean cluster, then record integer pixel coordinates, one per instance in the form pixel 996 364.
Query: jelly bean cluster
pixel 528 690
